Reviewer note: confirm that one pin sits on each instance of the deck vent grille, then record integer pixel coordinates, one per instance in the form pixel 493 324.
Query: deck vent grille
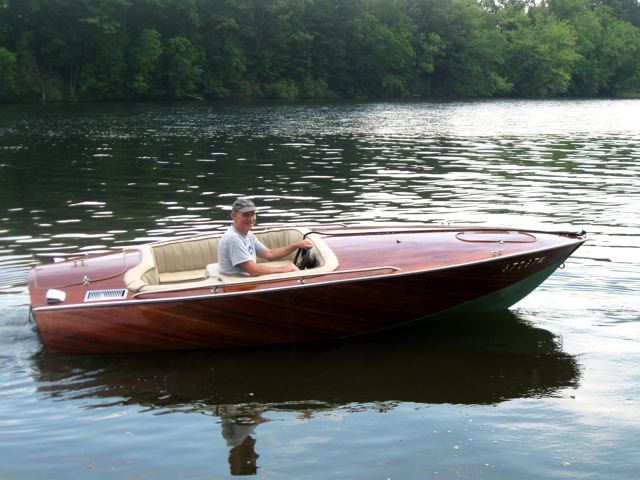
pixel 97 295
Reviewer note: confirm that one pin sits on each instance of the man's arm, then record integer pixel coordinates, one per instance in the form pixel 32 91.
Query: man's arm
pixel 279 252
pixel 256 269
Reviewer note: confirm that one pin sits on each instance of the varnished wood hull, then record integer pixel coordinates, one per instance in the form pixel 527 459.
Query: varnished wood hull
pixel 289 312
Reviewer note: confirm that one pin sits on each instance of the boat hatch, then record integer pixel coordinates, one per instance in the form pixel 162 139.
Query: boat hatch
pixel 488 236
pixel 97 295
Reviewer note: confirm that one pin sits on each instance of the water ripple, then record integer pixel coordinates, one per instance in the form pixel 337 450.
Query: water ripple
pixel 89 178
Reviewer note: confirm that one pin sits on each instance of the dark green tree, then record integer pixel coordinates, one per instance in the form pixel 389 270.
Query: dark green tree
pixel 183 67
pixel 625 10
pixel 8 74
pixel 104 74
pixel 540 52
pixel 144 62
pixel 68 50
pixel 619 56
pixel 225 39
pixel 472 49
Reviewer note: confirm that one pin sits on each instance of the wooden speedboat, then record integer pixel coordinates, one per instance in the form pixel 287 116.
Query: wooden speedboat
pixel 169 295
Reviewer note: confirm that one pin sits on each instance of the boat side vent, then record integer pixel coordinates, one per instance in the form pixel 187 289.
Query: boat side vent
pixel 97 295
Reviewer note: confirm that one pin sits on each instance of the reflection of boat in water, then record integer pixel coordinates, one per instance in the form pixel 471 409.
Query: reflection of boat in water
pixel 464 361
pixel 170 295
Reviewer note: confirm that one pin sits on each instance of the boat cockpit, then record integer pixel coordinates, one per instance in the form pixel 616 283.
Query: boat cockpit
pixel 193 262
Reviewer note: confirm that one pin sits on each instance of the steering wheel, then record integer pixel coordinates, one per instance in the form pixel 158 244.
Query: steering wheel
pixel 306 260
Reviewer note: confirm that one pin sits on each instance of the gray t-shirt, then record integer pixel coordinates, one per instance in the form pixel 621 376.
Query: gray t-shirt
pixel 234 249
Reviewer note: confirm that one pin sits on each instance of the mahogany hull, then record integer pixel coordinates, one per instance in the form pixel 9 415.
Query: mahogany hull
pixel 291 312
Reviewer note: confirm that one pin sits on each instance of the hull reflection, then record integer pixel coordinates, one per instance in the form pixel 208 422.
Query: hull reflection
pixel 468 360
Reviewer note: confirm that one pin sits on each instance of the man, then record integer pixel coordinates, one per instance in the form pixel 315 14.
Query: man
pixel 239 247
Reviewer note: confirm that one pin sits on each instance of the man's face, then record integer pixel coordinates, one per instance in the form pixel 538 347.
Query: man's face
pixel 243 222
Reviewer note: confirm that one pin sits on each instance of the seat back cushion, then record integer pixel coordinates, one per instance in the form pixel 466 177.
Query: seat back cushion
pixel 185 255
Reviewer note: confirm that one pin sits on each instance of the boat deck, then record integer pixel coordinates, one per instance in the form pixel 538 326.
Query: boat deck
pixel 361 253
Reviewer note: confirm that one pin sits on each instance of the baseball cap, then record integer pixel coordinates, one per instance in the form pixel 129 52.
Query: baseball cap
pixel 243 205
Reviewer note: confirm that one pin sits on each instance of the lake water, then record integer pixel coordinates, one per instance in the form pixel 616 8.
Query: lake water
pixel 548 389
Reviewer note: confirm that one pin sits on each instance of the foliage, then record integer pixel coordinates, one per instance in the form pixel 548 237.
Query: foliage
pixel 541 53
pixel 183 68
pixel 144 57
pixel 8 64
pixel 73 50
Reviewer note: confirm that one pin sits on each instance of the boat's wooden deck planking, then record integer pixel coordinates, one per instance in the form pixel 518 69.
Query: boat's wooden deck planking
pixel 409 252
pixel 420 251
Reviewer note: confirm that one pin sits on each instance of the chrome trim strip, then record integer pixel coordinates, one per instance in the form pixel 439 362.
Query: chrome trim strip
pixel 258 281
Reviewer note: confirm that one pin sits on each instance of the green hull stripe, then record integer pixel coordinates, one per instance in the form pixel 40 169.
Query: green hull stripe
pixel 504 298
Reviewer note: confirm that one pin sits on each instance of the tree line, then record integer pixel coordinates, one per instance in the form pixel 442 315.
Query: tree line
pixel 86 50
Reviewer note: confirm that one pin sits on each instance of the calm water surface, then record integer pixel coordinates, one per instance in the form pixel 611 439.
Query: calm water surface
pixel 549 389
